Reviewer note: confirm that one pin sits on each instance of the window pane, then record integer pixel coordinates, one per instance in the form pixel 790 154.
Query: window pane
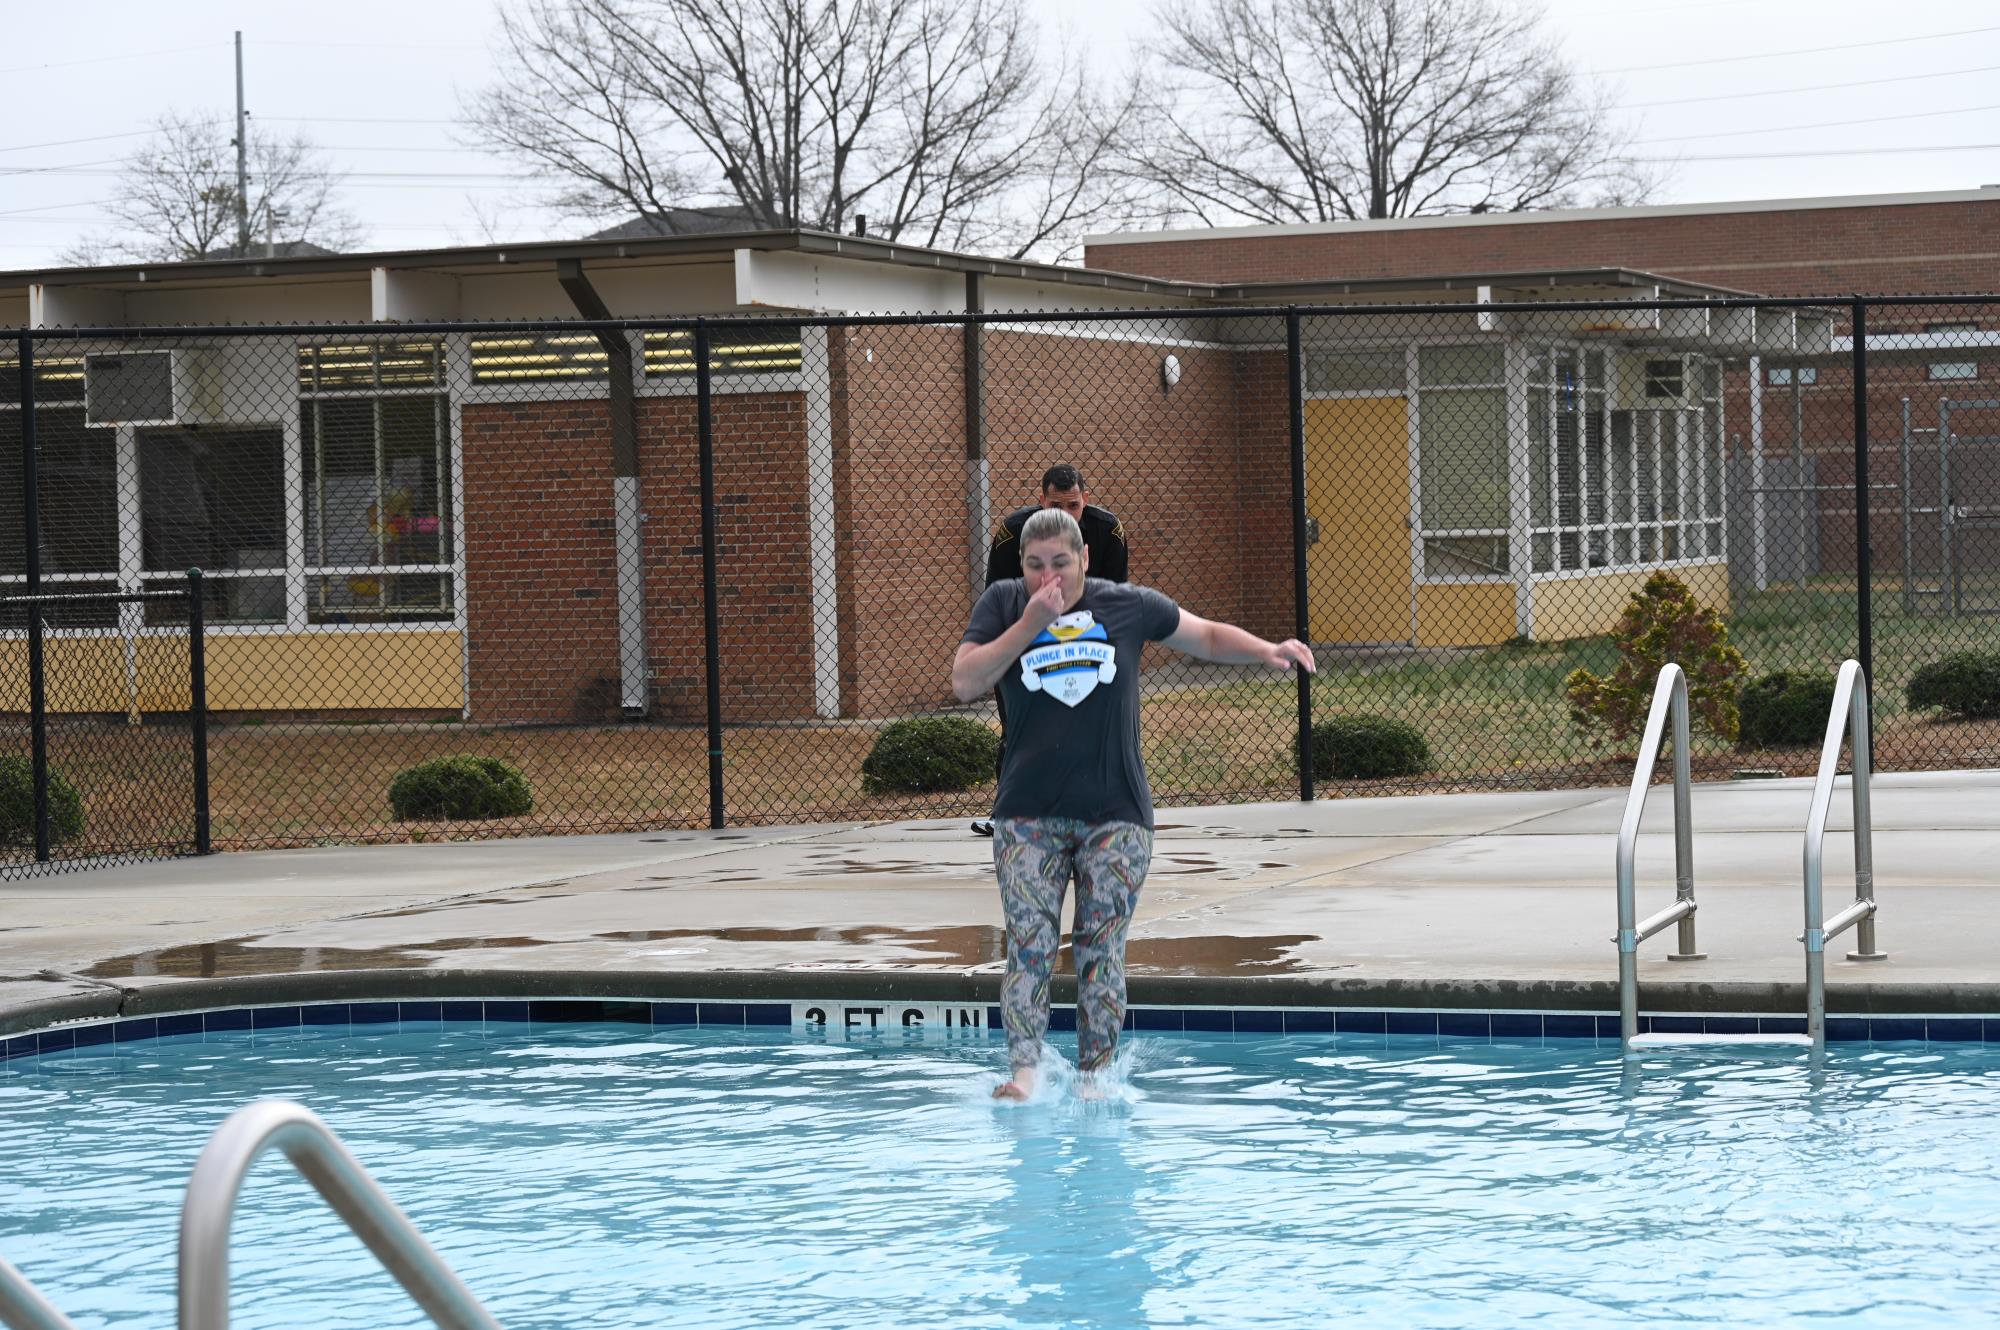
pixel 212 499
pixel 58 378
pixel 78 486
pixel 1711 461
pixel 1465 556
pixel 772 349
pixel 379 597
pixel 1443 366
pixel 340 481
pixel 1618 466
pixel 97 611
pixel 1355 371
pixel 416 470
pixel 224 599
pixel 1569 473
pixel 1670 465
pixel 1595 459
pixel 539 358
pixel 1545 553
pixel 1539 505
pixel 1464 459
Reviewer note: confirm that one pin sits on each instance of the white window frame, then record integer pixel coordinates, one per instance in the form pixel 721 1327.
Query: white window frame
pixel 1651 448
pixel 302 569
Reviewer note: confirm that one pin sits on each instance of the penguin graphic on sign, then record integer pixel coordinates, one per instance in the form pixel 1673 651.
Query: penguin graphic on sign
pixel 1069 659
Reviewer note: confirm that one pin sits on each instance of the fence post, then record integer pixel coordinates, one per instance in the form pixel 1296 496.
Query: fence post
pixel 704 396
pixel 1864 570
pixel 1301 618
pixel 198 706
pixel 31 539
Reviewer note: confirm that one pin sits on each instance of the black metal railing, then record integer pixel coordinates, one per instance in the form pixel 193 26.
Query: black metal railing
pixel 133 778
pixel 691 583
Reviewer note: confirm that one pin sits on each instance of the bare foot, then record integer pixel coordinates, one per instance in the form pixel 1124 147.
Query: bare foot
pixel 1089 1087
pixel 1021 1088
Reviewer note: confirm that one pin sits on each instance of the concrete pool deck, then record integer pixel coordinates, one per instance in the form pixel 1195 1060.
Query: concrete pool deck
pixel 1484 901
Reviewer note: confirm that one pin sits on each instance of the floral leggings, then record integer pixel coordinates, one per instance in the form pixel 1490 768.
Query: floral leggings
pixel 1034 858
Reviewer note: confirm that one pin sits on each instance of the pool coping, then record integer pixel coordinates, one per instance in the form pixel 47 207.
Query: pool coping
pixel 1336 1004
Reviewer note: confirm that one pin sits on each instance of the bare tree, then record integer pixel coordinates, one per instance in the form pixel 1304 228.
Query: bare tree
pixel 935 120
pixel 177 198
pixel 1320 110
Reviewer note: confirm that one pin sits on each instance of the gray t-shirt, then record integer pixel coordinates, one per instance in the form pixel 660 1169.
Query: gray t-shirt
pixel 1072 702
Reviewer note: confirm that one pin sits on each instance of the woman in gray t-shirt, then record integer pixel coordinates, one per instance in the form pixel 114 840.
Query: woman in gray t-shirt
pixel 1064 650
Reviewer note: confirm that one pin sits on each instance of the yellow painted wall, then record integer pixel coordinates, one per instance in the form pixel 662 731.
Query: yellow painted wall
pixel 1358 489
pixel 1568 607
pixel 347 671
pixel 1464 614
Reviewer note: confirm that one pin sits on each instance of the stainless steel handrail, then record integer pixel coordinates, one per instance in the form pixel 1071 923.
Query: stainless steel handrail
pixel 1669 699
pixel 22 1307
pixel 317 1153
pixel 1849 717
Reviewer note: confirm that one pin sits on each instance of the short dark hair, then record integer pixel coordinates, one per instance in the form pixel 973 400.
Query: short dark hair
pixel 1062 476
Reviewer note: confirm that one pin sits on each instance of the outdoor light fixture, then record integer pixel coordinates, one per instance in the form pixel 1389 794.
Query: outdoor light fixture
pixel 1170 371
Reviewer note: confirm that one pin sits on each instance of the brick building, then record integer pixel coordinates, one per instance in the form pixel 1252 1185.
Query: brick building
pixel 503 526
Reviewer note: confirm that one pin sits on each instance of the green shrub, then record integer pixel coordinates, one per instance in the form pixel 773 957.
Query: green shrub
pixel 1785 708
pixel 458 789
pixel 1367 748
pixel 17 803
pixel 1662 622
pixel 1965 685
pixel 925 754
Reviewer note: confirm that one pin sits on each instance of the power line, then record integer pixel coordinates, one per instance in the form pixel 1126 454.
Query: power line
pixel 64 143
pixel 1804 50
pixel 354 120
pixel 1811 87
pixel 84 203
pixel 104 59
pixel 1823 152
pixel 377 46
pixel 1820 124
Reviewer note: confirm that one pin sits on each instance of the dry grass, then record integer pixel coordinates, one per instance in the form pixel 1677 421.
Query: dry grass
pixel 1495 720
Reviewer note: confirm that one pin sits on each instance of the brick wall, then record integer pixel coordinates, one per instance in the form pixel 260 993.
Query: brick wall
pixel 898 406
pixel 1199 474
pixel 1915 247
pixel 541 559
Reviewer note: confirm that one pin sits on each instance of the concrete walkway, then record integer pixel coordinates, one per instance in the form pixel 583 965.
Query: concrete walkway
pixel 1480 901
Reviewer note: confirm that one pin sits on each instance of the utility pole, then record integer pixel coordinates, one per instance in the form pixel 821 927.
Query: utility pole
pixel 242 161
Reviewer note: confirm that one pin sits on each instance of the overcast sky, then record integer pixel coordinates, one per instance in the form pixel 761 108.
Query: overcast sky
pixel 1750 98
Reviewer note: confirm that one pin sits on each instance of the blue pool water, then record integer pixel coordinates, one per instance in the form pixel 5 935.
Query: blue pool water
pixel 620 1176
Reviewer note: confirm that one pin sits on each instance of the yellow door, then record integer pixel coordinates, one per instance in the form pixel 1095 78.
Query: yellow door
pixel 1358 501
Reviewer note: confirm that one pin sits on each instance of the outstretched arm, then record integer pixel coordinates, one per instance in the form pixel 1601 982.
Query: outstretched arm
pixel 1229 645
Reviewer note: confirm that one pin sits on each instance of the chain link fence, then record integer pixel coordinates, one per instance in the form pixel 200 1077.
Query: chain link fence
pixel 684 573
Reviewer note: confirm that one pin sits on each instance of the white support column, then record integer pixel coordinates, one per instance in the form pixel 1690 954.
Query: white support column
pixel 131 559
pixel 979 508
pixel 295 528
pixel 821 533
pixel 458 376
pixel 1520 511
pixel 1759 562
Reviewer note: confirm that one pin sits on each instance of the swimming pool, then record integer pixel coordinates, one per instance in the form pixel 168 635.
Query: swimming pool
pixel 621 1175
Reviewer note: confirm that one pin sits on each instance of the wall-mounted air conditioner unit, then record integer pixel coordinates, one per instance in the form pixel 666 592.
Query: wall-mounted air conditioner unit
pixel 1653 381
pixel 158 387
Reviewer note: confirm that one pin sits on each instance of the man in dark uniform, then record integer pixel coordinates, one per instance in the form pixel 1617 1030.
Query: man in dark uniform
pixel 1103 536
pixel 1062 487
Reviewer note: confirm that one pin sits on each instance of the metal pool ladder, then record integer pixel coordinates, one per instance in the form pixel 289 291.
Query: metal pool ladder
pixel 210 1206
pixel 1848 719
pixel 1669 699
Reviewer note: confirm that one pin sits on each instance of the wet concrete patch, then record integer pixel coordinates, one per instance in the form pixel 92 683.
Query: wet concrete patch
pixel 967 945
pixel 1217 955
